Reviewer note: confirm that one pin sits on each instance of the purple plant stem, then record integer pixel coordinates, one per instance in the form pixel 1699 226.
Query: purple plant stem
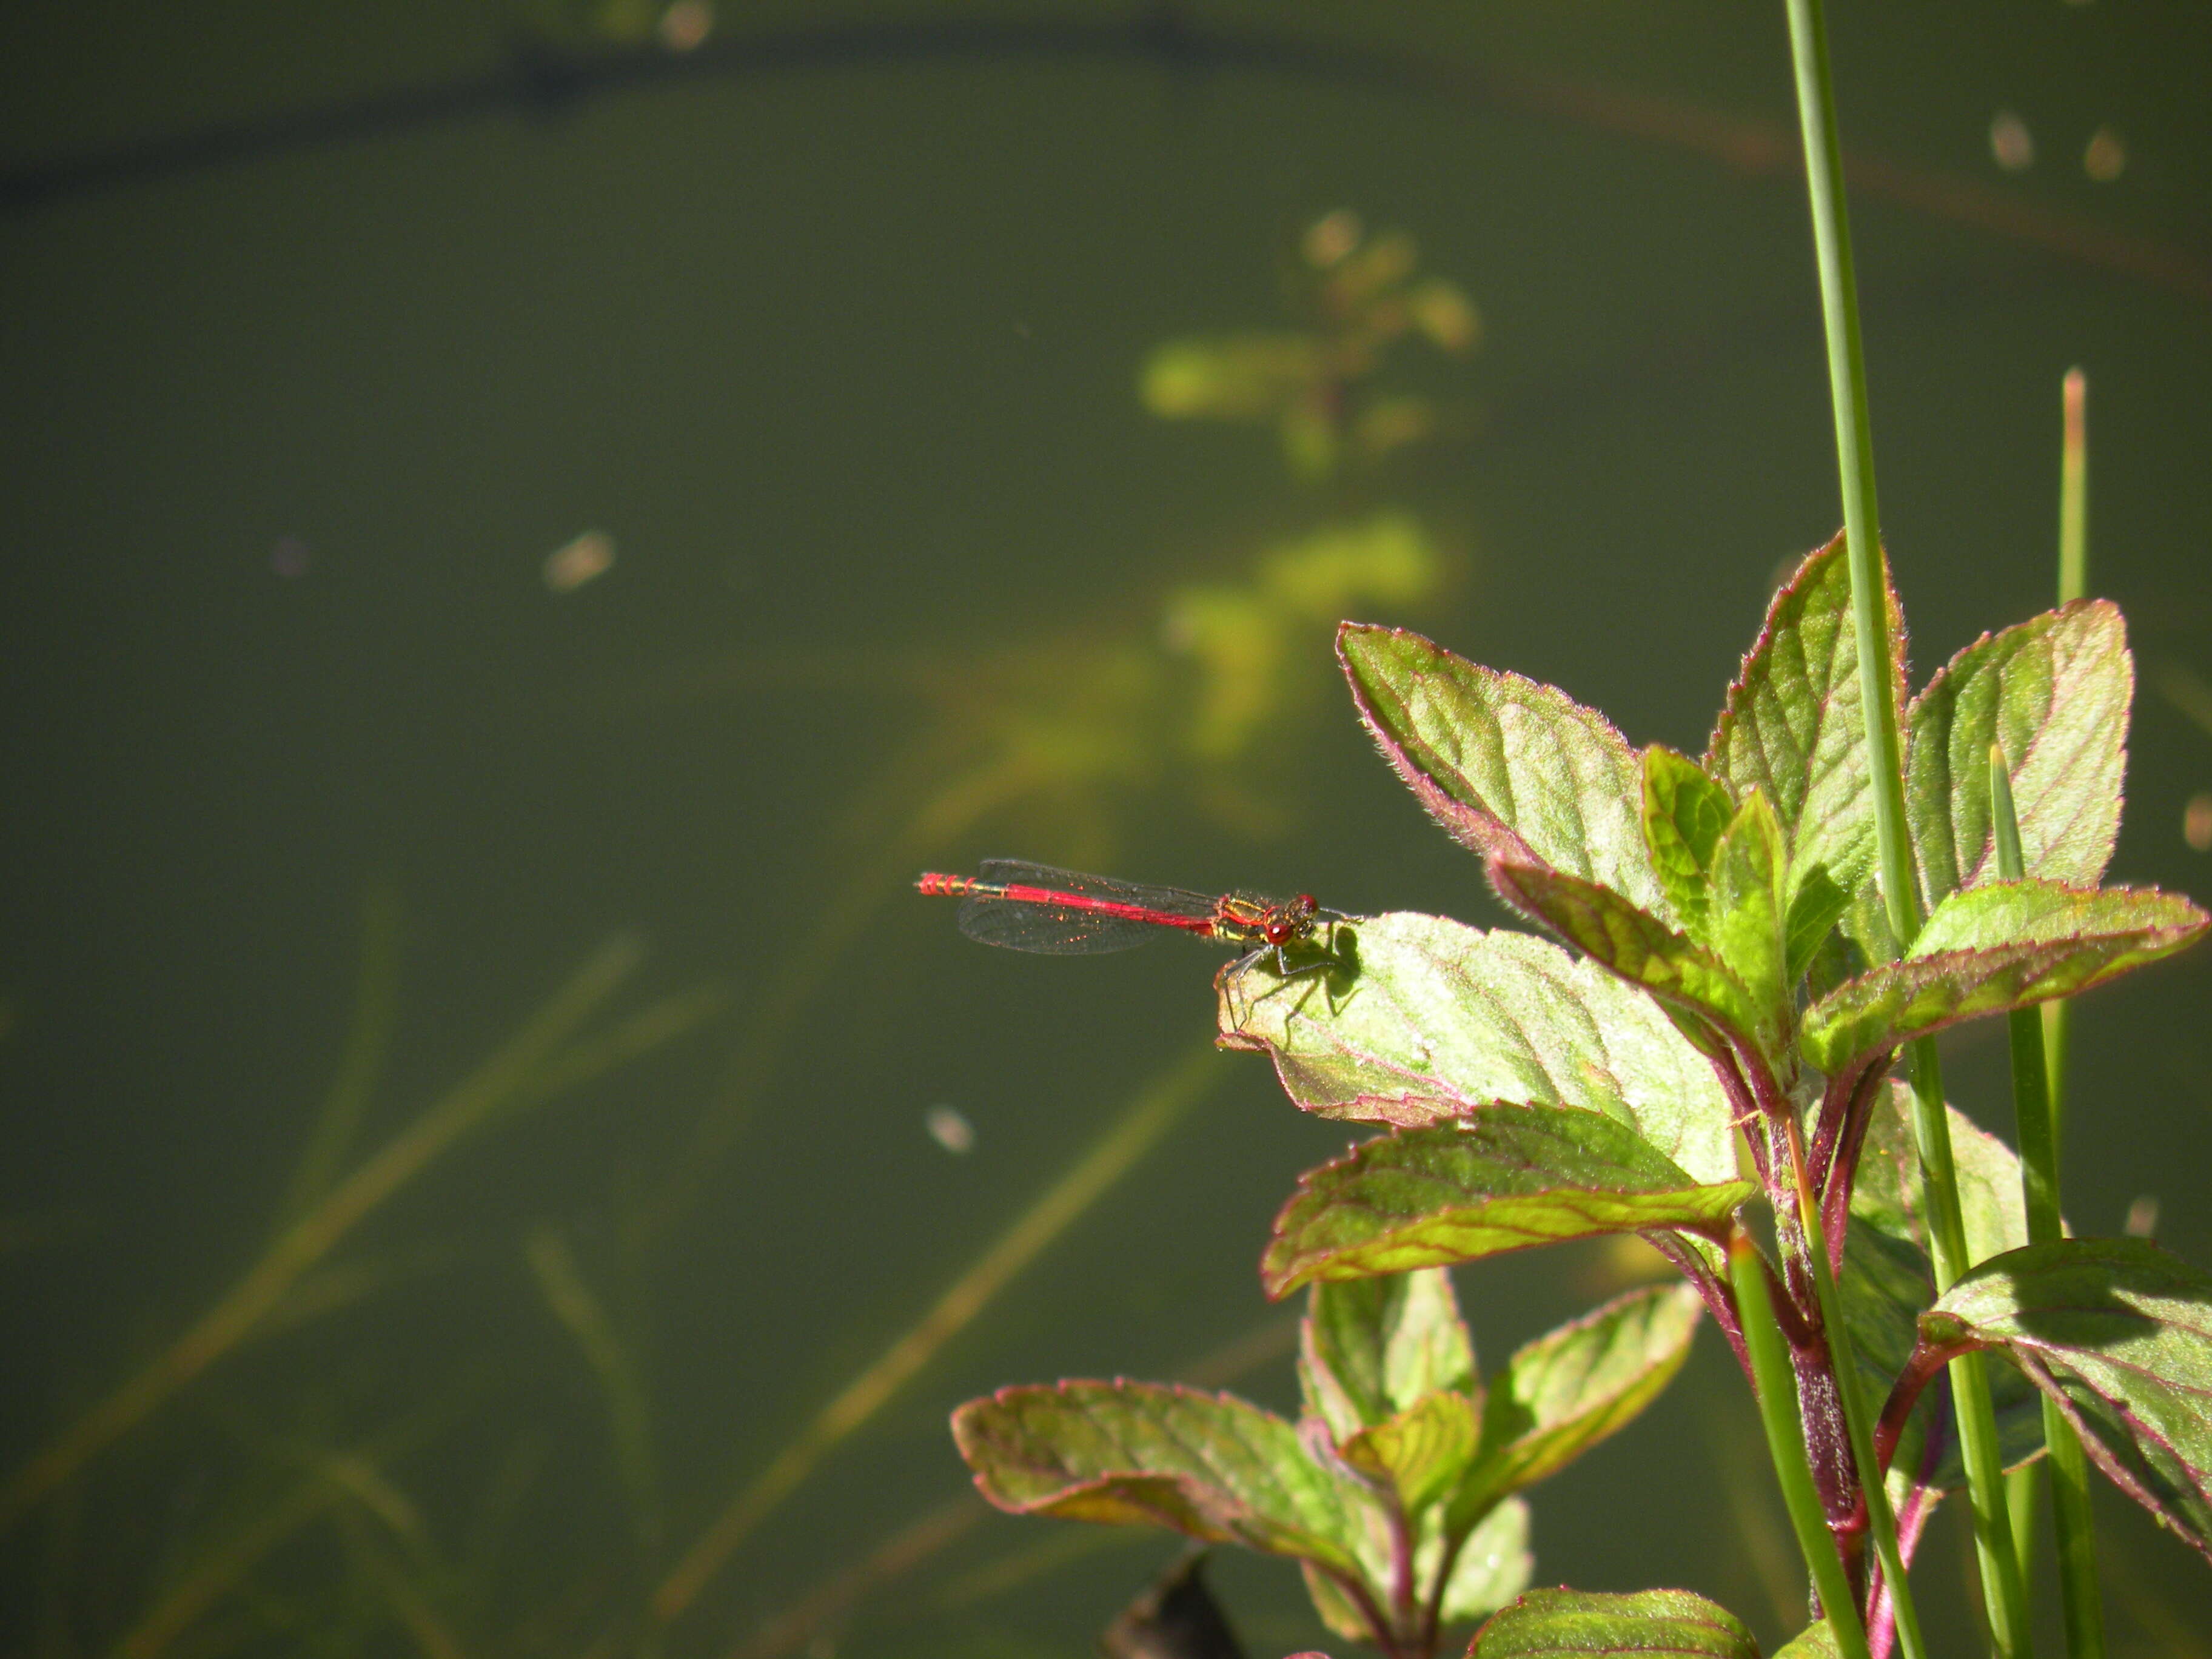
pixel 1820 1399
pixel 1743 1107
pixel 1912 1520
pixel 1840 1173
pixel 1926 1361
pixel 1719 1299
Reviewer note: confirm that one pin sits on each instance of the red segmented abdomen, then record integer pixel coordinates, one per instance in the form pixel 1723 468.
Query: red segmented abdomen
pixel 1093 906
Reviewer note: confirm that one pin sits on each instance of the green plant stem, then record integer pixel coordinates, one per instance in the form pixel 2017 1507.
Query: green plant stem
pixel 1785 1444
pixel 1881 1520
pixel 2023 1490
pixel 2002 1587
pixel 2003 1591
pixel 2070 1519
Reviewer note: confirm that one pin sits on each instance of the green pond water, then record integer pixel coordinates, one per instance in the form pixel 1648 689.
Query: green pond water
pixel 822 373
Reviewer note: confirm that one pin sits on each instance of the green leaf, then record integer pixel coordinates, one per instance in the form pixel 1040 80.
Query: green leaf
pixel 1794 729
pixel 1554 1623
pixel 1813 1642
pixel 1370 1348
pixel 2055 692
pixel 1492 1568
pixel 1634 944
pixel 1507 766
pixel 1684 813
pixel 1748 908
pixel 1445 1017
pixel 1819 906
pixel 2119 1333
pixel 1571 1387
pixel 1502 1178
pixel 1420 1453
pixel 1138 1454
pixel 2000 914
pixel 1338 1611
pixel 1886 1194
pixel 1987 950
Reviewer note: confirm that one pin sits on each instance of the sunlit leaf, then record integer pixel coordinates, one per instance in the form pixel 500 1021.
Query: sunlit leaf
pixel 1886 1194
pixel 1634 944
pixel 1370 1348
pixel 1490 1567
pixel 1814 914
pixel 1813 1642
pixel 1570 1388
pixel 1140 1454
pixel 2119 1333
pixel 1502 1178
pixel 1684 815
pixel 1493 1565
pixel 1420 1452
pixel 2055 692
pixel 1746 930
pixel 1988 949
pixel 1444 1017
pixel 1554 1623
pixel 1998 914
pixel 1508 766
pixel 1338 1611
pixel 1794 729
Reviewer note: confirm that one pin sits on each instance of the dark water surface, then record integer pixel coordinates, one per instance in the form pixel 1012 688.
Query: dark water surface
pixel 842 362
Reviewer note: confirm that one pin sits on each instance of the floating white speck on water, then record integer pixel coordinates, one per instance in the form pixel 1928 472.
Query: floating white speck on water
pixel 950 1129
pixel 588 557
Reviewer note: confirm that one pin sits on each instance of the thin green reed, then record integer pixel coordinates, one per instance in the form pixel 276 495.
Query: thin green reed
pixel 2023 1485
pixel 2001 1586
pixel 2038 1133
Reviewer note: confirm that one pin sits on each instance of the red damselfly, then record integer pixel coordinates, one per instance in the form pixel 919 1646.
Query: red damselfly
pixel 1033 907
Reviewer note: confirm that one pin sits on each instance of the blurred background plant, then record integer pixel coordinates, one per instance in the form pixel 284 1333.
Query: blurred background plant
pixel 1357 297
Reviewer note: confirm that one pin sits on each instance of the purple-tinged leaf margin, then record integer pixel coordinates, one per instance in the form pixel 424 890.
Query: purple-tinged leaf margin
pixel 1504 1178
pixel 1989 950
pixel 2055 691
pixel 1508 767
pixel 2118 1333
pixel 1556 1624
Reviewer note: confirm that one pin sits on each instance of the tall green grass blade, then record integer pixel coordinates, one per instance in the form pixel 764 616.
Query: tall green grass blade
pixel 2037 1133
pixel 2001 1582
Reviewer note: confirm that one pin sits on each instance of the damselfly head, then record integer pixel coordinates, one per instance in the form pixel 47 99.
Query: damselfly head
pixel 1288 923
